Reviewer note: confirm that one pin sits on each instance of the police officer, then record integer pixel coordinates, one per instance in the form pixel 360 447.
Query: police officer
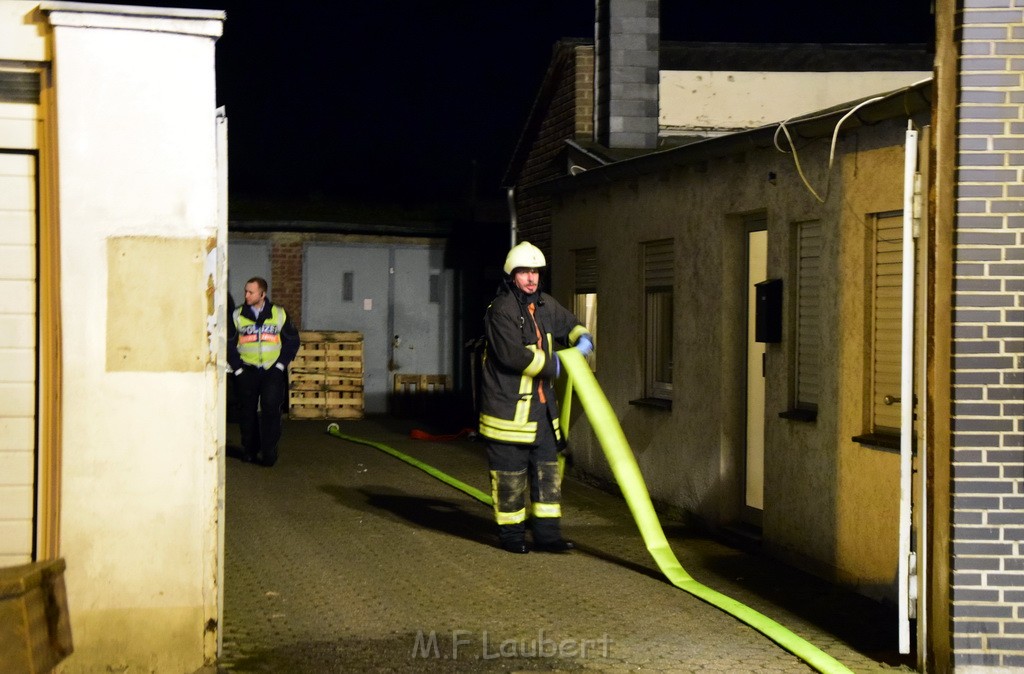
pixel 261 343
pixel 518 409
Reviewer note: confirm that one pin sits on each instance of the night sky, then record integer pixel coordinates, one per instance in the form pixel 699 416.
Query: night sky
pixel 403 101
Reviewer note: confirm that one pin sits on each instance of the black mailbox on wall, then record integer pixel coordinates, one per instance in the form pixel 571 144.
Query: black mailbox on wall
pixel 768 311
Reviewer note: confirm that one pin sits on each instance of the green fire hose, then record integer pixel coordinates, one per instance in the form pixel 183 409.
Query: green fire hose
pixel 627 474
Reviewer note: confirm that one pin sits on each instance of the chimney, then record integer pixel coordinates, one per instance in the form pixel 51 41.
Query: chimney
pixel 626 38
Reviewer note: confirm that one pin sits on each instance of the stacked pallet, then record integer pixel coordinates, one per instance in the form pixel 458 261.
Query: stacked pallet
pixel 326 377
pixel 423 396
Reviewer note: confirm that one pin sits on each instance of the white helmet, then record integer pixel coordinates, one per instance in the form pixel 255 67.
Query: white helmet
pixel 524 254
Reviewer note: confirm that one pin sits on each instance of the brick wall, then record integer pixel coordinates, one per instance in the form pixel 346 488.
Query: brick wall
pixel 583 80
pixel 286 270
pixel 569 114
pixel 988 342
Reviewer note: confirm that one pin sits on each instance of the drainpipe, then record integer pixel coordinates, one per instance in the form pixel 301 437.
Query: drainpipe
pixel 907 591
pixel 513 224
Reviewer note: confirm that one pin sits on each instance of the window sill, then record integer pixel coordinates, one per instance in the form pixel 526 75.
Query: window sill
pixel 800 415
pixel 883 442
pixel 653 403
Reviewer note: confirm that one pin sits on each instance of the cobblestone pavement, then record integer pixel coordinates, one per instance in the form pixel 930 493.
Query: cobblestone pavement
pixel 343 559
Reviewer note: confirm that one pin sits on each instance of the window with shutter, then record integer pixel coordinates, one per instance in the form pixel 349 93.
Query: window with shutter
pixel 586 270
pixel 808 314
pixel 886 323
pixel 18 86
pixel 659 281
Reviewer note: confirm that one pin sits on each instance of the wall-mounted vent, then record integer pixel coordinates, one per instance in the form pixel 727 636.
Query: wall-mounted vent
pixel 347 283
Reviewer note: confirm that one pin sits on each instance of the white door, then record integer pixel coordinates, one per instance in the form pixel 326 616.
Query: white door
pixel 422 339
pixel 18 390
pixel 345 287
pixel 757 271
pixel 398 296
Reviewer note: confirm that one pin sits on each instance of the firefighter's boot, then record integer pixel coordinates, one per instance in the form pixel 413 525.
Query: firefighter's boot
pixel 508 491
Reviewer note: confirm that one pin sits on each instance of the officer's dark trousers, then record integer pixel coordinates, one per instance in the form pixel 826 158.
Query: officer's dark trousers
pixel 260 398
pixel 513 468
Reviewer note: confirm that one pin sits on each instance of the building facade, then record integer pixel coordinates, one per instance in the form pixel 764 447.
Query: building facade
pixel 746 311
pixel 113 157
pixel 749 301
pixel 980 70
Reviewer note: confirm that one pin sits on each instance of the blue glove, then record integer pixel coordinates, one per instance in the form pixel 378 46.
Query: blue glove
pixel 558 367
pixel 585 345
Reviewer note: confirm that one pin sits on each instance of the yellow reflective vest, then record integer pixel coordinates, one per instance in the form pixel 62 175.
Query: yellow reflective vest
pixel 259 342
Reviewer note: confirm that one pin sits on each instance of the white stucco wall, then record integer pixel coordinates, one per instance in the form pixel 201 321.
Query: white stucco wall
pixel 731 100
pixel 20 37
pixel 141 242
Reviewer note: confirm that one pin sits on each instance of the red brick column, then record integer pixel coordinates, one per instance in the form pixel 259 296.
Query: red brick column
pixel 286 271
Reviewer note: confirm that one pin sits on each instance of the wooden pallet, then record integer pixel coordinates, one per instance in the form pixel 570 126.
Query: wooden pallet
pixel 420 395
pixel 332 405
pixel 329 336
pixel 326 377
pixel 422 383
pixel 330 352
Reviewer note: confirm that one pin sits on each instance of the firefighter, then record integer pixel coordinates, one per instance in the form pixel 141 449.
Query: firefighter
pixel 518 409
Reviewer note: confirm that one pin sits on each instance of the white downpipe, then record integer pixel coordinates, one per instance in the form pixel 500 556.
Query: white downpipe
pixel 513 219
pixel 222 363
pixel 906 389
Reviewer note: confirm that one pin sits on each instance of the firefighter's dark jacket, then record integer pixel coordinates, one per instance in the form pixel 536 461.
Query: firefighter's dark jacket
pixel 513 365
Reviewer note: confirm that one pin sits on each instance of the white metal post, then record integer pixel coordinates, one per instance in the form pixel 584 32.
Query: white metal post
pixel 907 390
